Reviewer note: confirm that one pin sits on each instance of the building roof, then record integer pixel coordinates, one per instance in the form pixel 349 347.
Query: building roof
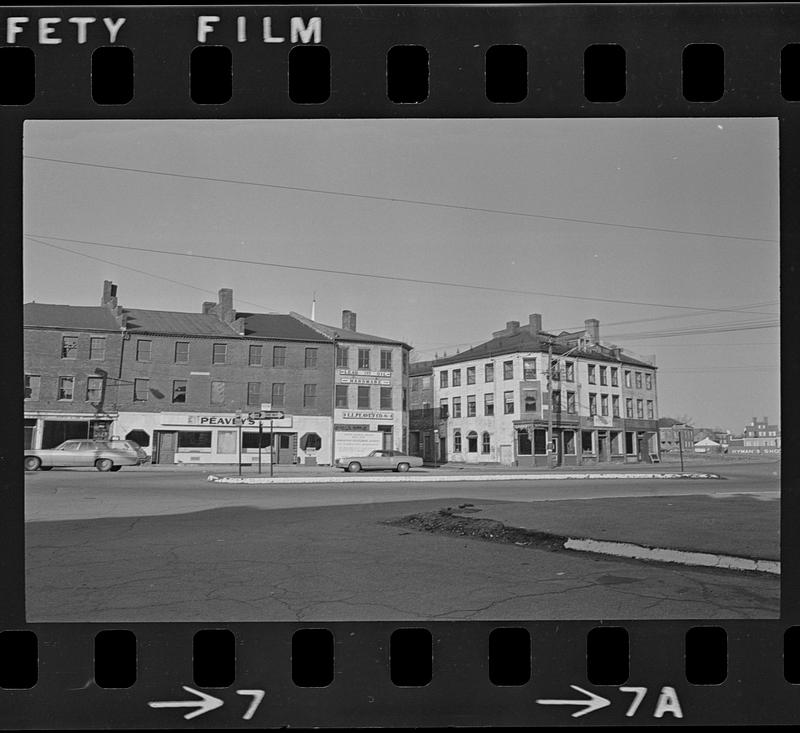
pixel 279 326
pixel 172 322
pixel 71 317
pixel 343 334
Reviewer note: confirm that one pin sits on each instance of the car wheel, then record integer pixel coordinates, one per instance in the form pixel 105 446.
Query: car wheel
pixel 403 467
pixel 103 464
pixel 32 463
pixel 353 467
pixel 115 468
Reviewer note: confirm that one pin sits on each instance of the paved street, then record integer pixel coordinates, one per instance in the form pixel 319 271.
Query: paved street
pixel 161 545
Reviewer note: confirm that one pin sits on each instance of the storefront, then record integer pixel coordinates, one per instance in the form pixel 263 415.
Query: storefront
pixel 214 438
pixel 49 429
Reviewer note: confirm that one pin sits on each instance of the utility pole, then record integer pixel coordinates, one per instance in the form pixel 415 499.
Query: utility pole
pixel 680 446
pixel 550 446
pixel 333 403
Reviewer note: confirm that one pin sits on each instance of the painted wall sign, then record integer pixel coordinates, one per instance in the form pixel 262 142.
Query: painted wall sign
pixel 365 380
pixel 365 415
pixel 214 421
pixel 351 443
pixel 362 373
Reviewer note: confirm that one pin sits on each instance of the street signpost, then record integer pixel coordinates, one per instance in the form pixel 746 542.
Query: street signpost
pixel 270 415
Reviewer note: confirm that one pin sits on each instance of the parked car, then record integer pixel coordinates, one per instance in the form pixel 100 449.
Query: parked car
pixel 104 455
pixel 385 460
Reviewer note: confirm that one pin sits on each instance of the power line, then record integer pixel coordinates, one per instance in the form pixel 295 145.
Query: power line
pixel 396 278
pixel 394 199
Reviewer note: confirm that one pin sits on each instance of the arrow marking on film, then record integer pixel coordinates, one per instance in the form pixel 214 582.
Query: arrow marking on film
pixel 592 703
pixel 204 705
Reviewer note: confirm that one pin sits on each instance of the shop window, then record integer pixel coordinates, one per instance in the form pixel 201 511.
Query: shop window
pixel 181 352
pixel 524 446
pixel 508 370
pixel 341 395
pixel 141 390
pixel 471 409
pixel 309 395
pixel 630 444
pixel 191 439
pixel 488 404
pixel 69 347
pixel 217 393
pixel 342 357
pixel 386 360
pixel 603 376
pixel 140 437
pixel 255 355
pixel 486 443
pixel 569 371
pixel 311 358
pixel 310 440
pixel 456 377
pixel 443 409
pixel 472 442
pixel 363 358
pixel 443 378
pixel 278 394
pixel 508 403
pixel 569 442
pixel 456 407
pixel 143 350
pixel 587 442
pixel 179 391
pixel 614 377
pixel 254 393
pixel 457 441
pixel 540 442
pixel 571 403
pixel 363 398
pixel 530 400
pixel 33 383
pixel 227 442
pixel 488 372
pixel 97 348
pixel 592 377
pixel 220 354
pixel 386 398
pixel 94 389
pixel 255 440
pixel 278 356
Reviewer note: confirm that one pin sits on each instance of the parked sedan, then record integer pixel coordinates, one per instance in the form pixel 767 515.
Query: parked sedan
pixel 101 454
pixel 385 460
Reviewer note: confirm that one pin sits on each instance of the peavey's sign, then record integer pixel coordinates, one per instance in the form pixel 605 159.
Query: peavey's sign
pixel 218 421
pixel 46 31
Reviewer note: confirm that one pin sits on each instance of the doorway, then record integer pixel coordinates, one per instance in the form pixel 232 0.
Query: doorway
pixel 166 443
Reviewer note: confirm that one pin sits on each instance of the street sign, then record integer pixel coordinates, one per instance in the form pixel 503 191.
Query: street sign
pixel 267 415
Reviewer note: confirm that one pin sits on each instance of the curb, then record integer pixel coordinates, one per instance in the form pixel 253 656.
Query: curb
pixel 349 479
pixel 683 557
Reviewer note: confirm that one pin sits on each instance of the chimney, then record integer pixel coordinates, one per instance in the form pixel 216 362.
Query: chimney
pixel 535 323
pixel 109 294
pixel 208 307
pixel 593 329
pixel 348 320
pixel 225 310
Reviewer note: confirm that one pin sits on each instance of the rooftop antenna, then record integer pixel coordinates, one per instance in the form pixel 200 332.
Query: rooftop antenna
pixel 314 306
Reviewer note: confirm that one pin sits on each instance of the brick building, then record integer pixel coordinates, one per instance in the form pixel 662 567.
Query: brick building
pixel 422 415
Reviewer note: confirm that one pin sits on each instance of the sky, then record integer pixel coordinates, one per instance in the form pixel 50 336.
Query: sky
pixel 574 219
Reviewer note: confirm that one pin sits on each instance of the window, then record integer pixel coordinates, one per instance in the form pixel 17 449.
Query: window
pixel 94 389
pixel 341 395
pixel 141 390
pixel 143 350
pixel 472 442
pixel 627 378
pixel 615 405
pixel 587 442
pixel 456 377
pixel 628 407
pixel 530 399
pixel 220 354
pixel 405 401
pixel 416 384
pixel 194 439
pixel 342 357
pixel 66 387
pixel 650 412
pixel 471 375
pixel 629 443
pixel 254 393
pixel 311 358
pixel 639 409
pixel 557 401
pixel 443 378
pixel 456 407
pixel 456 441
pixel 309 395
pixel 278 394
pixel 251 440
pixel 508 403
pixel 363 398
pixel 614 377
pixel 97 348
pixel 69 347
pixel 569 368
pixel 471 408
pixel 33 383
pixel 508 370
pixel 648 381
pixel 486 443
pixel 529 370
pixel 227 442
pixel 604 404
pixel 638 380
pixel 255 355
pixel 488 372
pixel 386 398
pixel 569 442
pixel 443 408
pixel 488 404
pixel 603 376
pixel 386 360
pixel 570 403
pixel 363 358
pixel 524 446
pixel 217 393
pixel 278 356
pixel 181 352
pixel 179 391
pixel 592 378
pixel 592 403
pixel 540 442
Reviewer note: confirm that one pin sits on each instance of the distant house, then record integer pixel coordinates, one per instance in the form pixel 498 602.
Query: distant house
pixel 707 445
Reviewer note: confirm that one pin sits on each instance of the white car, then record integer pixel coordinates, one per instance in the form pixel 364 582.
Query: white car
pixel 386 460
